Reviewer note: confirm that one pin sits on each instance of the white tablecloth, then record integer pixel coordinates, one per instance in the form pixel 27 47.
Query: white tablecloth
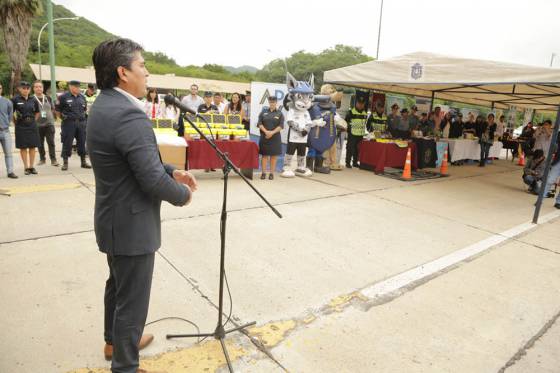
pixel 460 149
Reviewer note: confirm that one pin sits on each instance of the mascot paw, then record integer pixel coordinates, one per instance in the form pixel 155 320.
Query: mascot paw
pixel 287 173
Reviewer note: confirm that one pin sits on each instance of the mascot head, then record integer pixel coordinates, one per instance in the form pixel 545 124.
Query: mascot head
pixel 300 94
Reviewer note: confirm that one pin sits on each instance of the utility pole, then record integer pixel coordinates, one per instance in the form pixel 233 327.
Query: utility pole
pixel 379 32
pixel 51 48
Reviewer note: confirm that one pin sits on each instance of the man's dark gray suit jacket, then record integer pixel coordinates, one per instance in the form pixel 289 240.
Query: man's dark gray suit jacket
pixel 130 179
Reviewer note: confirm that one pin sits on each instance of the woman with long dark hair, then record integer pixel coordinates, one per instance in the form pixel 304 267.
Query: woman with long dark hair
pixel 151 106
pixel 235 106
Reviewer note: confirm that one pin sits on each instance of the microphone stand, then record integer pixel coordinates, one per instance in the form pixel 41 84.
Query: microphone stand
pixel 220 332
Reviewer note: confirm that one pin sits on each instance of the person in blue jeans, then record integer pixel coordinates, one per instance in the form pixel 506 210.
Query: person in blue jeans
pixel 6 114
pixel 485 132
pixel 554 174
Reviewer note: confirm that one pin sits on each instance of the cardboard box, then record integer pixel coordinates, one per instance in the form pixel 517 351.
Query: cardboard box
pixel 174 155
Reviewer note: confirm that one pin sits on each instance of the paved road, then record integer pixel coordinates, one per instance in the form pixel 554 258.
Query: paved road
pixel 363 274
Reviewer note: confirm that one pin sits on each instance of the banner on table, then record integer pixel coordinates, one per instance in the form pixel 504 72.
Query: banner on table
pixel 259 93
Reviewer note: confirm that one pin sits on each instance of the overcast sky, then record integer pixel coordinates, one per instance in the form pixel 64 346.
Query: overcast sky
pixel 239 33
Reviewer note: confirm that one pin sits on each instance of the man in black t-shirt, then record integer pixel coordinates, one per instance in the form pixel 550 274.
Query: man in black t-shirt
pixel 208 106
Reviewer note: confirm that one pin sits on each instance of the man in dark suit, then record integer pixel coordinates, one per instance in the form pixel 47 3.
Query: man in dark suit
pixel 130 182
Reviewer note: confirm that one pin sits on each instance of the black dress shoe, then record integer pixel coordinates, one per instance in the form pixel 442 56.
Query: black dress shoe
pixel 33 171
pixel 271 177
pixel 11 175
pixel 27 171
pixel 348 165
pixel 557 205
pixel 263 176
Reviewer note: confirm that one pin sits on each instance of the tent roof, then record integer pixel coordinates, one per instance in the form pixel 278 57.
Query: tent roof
pixel 87 75
pixel 477 82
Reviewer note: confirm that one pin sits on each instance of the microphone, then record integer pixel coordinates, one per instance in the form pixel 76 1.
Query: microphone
pixel 177 103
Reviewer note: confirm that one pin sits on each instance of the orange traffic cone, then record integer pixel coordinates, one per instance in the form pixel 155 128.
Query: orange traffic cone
pixel 406 175
pixel 521 156
pixel 443 169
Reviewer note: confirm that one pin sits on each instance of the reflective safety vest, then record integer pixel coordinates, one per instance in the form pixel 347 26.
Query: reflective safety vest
pixel 90 100
pixel 358 122
pixel 379 123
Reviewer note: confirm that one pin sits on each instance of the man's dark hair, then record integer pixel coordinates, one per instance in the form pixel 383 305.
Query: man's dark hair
pixel 91 86
pixel 110 55
pixel 548 121
pixel 194 85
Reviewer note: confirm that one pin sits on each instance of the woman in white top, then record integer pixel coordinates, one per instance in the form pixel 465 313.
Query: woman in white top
pixel 152 106
pixel 168 110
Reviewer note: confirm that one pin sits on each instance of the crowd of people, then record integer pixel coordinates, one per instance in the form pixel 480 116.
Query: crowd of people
pixel 33 114
pixel 210 102
pixel 402 124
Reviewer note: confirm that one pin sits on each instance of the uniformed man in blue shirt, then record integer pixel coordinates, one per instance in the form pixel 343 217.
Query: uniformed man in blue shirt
pixel 72 108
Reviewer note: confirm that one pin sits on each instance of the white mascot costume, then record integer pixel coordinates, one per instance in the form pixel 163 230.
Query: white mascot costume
pixel 297 102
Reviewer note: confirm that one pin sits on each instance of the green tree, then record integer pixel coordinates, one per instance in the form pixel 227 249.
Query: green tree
pixel 15 20
pixel 301 64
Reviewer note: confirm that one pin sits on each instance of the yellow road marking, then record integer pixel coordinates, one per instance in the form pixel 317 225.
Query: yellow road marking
pixel 37 188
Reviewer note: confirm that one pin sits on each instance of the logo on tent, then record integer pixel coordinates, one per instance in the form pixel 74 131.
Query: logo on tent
pixel 416 71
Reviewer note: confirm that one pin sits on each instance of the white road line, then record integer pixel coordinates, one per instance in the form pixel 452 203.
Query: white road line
pixel 426 270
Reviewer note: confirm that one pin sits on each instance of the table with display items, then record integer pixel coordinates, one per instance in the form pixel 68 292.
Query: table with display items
pixel 465 149
pixel 243 154
pixel 376 155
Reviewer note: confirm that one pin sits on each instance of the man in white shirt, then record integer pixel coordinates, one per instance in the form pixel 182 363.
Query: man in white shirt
pixel 219 102
pixel 193 101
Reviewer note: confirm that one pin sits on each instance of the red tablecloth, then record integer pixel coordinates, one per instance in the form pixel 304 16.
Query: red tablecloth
pixel 243 154
pixel 379 155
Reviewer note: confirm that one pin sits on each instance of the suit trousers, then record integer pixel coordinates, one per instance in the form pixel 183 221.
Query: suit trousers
pixel 127 297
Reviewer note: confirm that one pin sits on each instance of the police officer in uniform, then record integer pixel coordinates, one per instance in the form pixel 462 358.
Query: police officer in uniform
pixel 377 122
pixel 72 108
pixel 271 122
pixel 26 113
pixel 90 95
pixel 356 119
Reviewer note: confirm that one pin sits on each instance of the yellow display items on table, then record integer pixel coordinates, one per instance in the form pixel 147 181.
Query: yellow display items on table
pixel 399 143
pixel 163 126
pixel 241 134
pixel 233 119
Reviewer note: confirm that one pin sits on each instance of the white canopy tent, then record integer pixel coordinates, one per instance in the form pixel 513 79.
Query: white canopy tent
pixel 480 82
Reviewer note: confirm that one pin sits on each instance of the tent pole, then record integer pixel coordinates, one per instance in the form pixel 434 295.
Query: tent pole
pixel 551 149
pixel 432 101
